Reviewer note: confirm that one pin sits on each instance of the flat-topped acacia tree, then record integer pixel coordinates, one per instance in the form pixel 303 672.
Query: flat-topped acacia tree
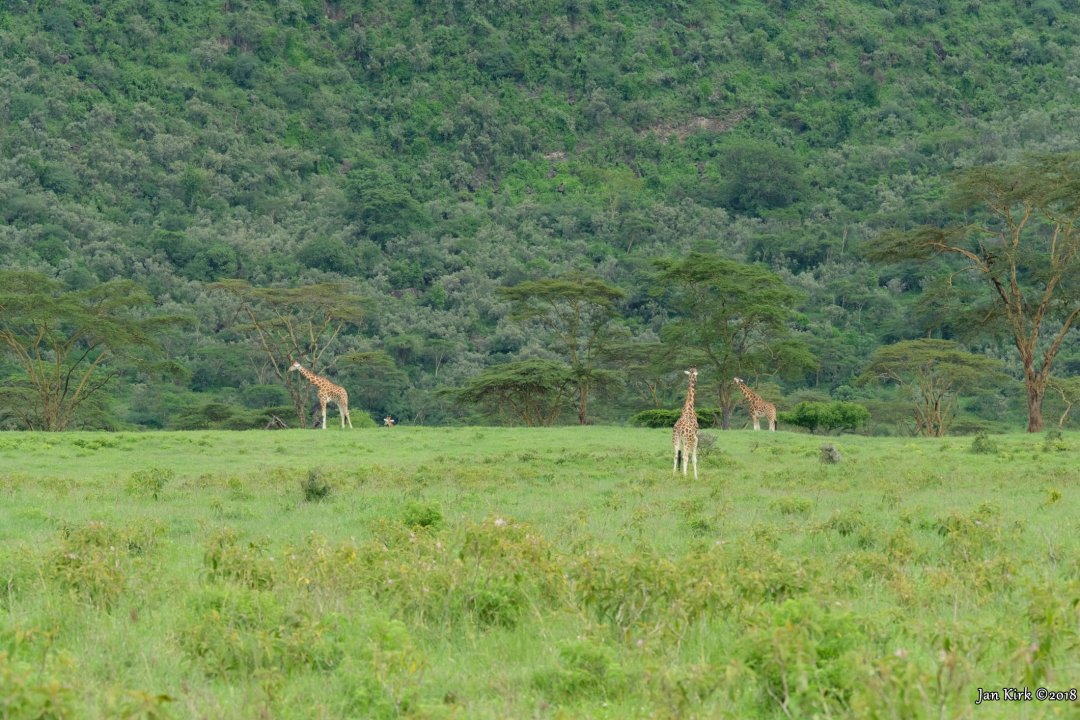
pixel 68 342
pixel 1022 241
pixel 579 311
pixel 294 324
pixel 731 318
pixel 933 373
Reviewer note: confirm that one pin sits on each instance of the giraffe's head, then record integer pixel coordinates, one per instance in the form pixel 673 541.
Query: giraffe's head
pixel 294 366
pixel 739 381
pixel 692 372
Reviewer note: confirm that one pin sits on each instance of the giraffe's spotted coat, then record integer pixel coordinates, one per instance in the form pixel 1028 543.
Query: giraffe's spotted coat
pixel 684 435
pixel 759 408
pixel 328 392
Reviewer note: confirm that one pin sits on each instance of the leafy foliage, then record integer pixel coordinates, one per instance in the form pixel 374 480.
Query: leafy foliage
pixel 733 318
pixel 427 154
pixel 64 341
pixel 830 417
pixel 934 373
pixel 532 391
pixel 1026 251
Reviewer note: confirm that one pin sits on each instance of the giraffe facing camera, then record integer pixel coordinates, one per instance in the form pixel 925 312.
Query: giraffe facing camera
pixel 328 392
pixel 684 436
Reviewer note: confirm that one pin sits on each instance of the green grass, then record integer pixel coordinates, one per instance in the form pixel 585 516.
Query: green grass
pixel 494 572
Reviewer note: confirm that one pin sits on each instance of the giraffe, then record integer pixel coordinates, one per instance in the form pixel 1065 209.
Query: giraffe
pixel 328 391
pixel 388 421
pixel 684 435
pixel 758 408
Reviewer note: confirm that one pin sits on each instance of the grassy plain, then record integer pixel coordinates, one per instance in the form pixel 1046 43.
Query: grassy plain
pixel 541 573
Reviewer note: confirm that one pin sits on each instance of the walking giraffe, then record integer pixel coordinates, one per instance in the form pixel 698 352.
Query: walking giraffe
pixel 327 391
pixel 759 408
pixel 684 435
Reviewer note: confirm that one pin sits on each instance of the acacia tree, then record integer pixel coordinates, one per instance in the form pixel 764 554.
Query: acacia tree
pixel 1024 245
pixel 933 373
pixel 294 324
pixel 532 391
pixel 732 318
pixel 580 312
pixel 66 342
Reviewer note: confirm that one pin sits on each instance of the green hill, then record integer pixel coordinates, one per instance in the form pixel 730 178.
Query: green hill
pixel 431 152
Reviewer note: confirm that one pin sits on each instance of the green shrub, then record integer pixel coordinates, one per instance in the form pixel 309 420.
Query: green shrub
pixel 315 486
pixel 94 561
pixel 1053 441
pixel 238 631
pixel 24 693
pixel 226 557
pixel 792 505
pixel 380 676
pixel 585 670
pixel 149 481
pixel 983 445
pixel 805 657
pixel 494 603
pixel 418 515
pixel 831 416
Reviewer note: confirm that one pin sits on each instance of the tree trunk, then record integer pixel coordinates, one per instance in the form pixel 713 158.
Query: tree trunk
pixel 1035 400
pixel 297 395
pixel 583 405
pixel 1035 383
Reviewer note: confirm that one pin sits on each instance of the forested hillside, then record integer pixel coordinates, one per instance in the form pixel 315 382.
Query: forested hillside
pixel 426 154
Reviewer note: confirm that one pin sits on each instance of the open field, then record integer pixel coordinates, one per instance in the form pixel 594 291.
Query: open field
pixel 547 573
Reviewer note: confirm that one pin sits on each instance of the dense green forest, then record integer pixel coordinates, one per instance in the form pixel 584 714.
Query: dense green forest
pixel 421 158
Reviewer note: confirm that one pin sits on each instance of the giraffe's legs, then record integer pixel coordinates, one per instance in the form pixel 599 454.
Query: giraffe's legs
pixel 757 422
pixel 323 403
pixel 685 457
pixel 772 424
pixel 693 456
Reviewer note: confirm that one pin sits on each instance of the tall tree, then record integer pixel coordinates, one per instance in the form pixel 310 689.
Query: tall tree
pixel 295 324
pixel 67 342
pixel 579 311
pixel 1023 243
pixel 732 318
pixel 933 373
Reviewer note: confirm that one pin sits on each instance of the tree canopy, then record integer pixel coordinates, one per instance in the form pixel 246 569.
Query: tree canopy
pixel 732 318
pixel 933 373
pixel 534 392
pixel 69 344
pixel 1024 245
pixel 579 311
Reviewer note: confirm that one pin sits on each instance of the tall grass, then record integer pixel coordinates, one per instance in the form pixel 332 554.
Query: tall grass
pixel 490 573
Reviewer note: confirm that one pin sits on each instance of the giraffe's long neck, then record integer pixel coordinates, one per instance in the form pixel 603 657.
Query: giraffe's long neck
pixel 308 375
pixel 748 393
pixel 688 406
